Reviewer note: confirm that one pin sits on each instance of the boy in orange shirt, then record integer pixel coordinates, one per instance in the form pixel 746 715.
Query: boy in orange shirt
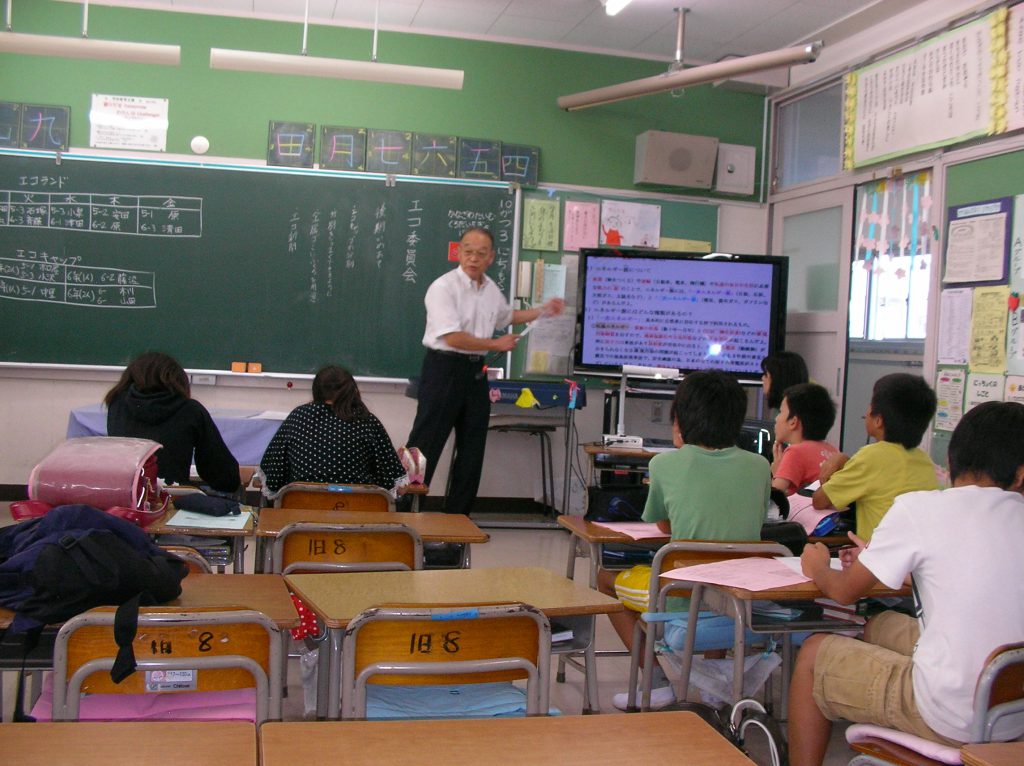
pixel 804 420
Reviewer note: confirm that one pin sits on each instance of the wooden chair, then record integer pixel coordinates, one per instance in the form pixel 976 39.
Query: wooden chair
pixel 680 553
pixel 196 561
pixel 310 547
pixel 336 497
pixel 206 650
pixel 445 645
pixel 999 692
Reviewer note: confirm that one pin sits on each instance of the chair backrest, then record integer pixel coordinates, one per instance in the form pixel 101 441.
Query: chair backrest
pixel 312 547
pixel 336 497
pixel 1000 690
pixel 443 645
pixel 221 648
pixel 195 560
pixel 683 553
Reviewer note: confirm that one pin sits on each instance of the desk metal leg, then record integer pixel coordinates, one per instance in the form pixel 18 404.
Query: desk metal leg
pixel 323 672
pixel 238 551
pixel 591 703
pixel 334 675
pixel 691 637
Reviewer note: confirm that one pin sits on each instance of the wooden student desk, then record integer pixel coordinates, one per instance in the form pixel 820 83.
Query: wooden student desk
pixel 595 537
pixel 338 597
pixel 738 603
pixel 993 754
pixel 432 527
pixel 236 537
pixel 569 740
pixel 149 743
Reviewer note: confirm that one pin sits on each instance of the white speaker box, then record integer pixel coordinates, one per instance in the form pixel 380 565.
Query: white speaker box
pixel 675 159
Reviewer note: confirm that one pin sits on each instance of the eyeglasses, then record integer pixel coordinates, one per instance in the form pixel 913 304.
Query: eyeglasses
pixel 474 253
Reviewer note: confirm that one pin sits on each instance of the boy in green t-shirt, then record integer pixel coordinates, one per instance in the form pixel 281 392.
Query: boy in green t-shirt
pixel 708 489
pixel 901 408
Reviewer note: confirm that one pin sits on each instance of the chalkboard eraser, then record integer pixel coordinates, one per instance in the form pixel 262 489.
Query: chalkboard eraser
pixel 238 367
pixel 255 367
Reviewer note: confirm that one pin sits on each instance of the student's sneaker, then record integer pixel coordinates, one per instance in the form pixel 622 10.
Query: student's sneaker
pixel 660 698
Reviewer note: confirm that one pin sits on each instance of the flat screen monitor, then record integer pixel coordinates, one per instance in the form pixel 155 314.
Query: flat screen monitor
pixel 682 311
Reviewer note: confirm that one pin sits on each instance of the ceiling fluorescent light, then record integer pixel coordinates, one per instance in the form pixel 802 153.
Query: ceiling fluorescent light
pixel 313 66
pixel 799 54
pixel 344 69
pixel 611 7
pixel 85 47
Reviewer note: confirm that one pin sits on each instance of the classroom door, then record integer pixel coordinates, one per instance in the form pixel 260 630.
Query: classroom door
pixel 816 232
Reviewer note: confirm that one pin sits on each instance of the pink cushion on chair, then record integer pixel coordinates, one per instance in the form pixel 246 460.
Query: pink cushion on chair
pixel 232 705
pixel 926 747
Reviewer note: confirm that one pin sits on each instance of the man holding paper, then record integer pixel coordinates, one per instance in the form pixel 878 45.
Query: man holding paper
pixel 464 309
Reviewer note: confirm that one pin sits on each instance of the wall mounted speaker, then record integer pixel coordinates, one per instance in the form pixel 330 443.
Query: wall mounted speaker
pixel 675 159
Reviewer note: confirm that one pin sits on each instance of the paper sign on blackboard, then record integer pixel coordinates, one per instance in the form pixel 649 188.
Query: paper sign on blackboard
pixel 343 148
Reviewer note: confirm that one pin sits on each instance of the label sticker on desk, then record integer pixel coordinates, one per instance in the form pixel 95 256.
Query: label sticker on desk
pixel 170 680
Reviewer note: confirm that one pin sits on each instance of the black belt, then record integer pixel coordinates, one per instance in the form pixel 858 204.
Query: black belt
pixel 471 358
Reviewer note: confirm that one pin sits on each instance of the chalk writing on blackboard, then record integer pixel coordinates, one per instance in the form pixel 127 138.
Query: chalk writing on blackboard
pixel 147 216
pixel 479 158
pixel 520 163
pixel 72 284
pixel 291 144
pixel 434 155
pixel 10 124
pixel 389 151
pixel 343 148
pixel 45 127
pixel 413 221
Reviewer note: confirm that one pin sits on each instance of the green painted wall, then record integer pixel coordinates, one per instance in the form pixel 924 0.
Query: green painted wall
pixel 509 91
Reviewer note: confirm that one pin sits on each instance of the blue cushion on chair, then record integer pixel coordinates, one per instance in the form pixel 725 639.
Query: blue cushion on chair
pixel 491 700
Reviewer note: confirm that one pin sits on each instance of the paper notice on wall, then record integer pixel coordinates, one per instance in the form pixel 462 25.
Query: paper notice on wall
pixel 630 224
pixel 572 273
pixel 582 224
pixel 954 325
pixel 983 388
pixel 553 283
pixel 1015 340
pixel 1017 241
pixel 540 224
pixel 1014 391
pixel 988 329
pixel 976 249
pixel 949 390
pixel 128 122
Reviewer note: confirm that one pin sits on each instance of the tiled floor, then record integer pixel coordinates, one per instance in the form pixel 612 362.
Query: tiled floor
pixel 549 549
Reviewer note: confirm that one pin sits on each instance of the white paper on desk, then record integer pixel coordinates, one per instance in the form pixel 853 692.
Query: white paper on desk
pixel 752 573
pixel 192 519
pixel 638 530
pixel 793 562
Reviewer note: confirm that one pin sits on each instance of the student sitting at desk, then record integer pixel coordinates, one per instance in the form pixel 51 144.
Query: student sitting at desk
pixel 334 438
pixel 962 546
pixel 901 408
pixel 153 400
pixel 708 489
pixel 805 416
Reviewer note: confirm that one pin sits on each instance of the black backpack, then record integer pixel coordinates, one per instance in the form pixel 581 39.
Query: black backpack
pixel 75 558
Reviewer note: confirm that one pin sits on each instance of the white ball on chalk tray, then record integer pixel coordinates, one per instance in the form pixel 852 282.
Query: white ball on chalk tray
pixel 200 144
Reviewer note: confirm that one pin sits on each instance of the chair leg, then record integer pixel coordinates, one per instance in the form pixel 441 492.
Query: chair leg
pixel 691 637
pixel 634 668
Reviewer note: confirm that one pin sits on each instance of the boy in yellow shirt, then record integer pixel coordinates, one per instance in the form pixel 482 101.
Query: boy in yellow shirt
pixel 901 408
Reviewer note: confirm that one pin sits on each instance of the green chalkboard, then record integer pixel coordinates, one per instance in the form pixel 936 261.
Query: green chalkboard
pixel 101 259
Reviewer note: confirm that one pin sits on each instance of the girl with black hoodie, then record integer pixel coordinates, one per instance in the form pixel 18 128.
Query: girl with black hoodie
pixel 152 400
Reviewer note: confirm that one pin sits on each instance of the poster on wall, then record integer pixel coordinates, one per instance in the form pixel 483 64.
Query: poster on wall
pixel 630 224
pixel 983 388
pixel 988 329
pixel 954 325
pixel 1015 68
pixel 978 242
pixel 936 93
pixel 949 391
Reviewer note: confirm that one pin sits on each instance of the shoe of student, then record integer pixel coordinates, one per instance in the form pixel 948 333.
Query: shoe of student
pixel 660 698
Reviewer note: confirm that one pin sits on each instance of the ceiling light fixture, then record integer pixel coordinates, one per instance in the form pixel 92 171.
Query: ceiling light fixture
pixel 611 7
pixel 344 69
pixel 85 47
pixel 720 70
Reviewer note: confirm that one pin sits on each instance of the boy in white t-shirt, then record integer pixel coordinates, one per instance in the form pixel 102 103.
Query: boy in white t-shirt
pixel 805 417
pixel 963 547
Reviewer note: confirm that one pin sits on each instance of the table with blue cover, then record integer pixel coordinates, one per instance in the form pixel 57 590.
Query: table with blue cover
pixel 245 432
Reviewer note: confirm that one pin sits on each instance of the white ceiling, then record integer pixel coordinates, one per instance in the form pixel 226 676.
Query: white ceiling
pixel 715 29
